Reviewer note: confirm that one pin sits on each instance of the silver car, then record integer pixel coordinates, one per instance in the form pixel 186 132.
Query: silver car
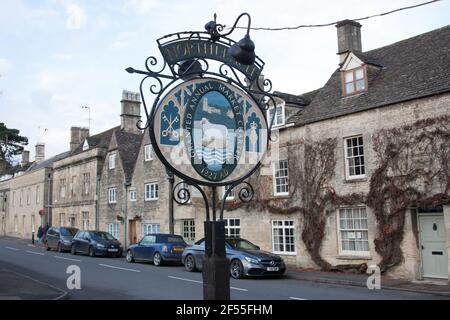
pixel 246 259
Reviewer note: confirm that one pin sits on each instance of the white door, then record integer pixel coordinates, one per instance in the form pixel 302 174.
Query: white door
pixel 434 246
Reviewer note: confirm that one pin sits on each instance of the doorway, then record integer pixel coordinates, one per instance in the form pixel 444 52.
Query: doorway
pixel 132 234
pixel 433 245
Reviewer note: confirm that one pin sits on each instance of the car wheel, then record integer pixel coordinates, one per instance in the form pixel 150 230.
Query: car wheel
pixel 59 247
pixel 73 250
pixel 46 246
pixel 236 269
pixel 129 256
pixel 189 263
pixel 157 259
pixel 91 252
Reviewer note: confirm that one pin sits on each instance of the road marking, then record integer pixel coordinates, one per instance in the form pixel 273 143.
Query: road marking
pixel 201 282
pixel 295 298
pixel 57 257
pixel 125 269
pixel 34 252
pixel 11 248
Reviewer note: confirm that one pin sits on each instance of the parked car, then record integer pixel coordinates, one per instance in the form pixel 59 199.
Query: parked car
pixel 96 243
pixel 246 259
pixel 157 248
pixel 60 238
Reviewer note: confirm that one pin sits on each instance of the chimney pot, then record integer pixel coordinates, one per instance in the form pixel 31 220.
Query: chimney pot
pixel 77 135
pixel 25 157
pixel 40 152
pixel 131 111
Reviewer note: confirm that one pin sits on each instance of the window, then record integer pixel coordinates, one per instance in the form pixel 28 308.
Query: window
pixel 150 228
pixel 62 188
pixel 13 199
pixel 72 186
pixel 354 81
pixel 353 230
pixel 62 219
pixel 38 196
pixel 85 145
pixel 230 195
pixel 86 182
pixel 188 231
pixel 85 220
pixel 28 196
pixel 21 197
pixel 151 191
pixel 113 229
pixel 148 152
pixel 281 178
pixel 16 227
pixel 112 161
pixel 133 195
pixel 283 239
pixel 112 192
pixel 233 227
pixel 279 116
pixel 354 158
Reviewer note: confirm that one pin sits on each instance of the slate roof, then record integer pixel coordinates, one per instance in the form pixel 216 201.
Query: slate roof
pixel 128 145
pixel 47 163
pixel 412 68
pixel 100 140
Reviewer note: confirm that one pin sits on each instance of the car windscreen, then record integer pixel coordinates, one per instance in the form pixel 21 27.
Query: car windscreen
pixel 242 244
pixel 170 239
pixel 102 236
pixel 68 232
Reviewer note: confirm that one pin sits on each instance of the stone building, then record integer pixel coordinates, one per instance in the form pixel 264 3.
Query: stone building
pixel 30 195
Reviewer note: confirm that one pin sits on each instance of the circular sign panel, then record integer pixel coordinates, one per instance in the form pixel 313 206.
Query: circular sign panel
pixel 209 131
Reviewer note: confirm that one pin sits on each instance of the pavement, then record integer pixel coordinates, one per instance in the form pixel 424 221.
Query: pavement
pixel 33 272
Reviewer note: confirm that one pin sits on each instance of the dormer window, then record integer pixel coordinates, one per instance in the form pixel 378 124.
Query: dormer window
pixel 278 115
pixel 354 81
pixel 85 145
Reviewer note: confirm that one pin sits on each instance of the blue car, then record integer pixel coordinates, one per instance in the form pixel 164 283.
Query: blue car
pixel 157 248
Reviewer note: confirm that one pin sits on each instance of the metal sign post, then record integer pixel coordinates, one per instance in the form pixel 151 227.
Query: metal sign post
pixel 208 126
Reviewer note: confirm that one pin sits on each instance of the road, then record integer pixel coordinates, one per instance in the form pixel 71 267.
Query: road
pixel 114 278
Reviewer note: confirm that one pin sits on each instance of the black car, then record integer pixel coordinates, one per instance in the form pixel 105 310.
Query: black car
pixel 96 243
pixel 60 238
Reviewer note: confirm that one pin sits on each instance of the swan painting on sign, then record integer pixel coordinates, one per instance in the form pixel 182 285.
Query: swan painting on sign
pixel 214 131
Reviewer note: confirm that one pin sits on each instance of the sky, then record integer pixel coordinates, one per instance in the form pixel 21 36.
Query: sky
pixel 59 55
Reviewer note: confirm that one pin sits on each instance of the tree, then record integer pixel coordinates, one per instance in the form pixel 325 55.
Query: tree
pixel 11 143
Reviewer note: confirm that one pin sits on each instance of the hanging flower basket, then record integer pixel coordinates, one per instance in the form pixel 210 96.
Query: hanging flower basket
pixel 137 217
pixel 119 217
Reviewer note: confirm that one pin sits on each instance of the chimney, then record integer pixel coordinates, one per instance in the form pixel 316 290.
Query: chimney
pixel 40 152
pixel 77 135
pixel 349 38
pixel 131 111
pixel 25 158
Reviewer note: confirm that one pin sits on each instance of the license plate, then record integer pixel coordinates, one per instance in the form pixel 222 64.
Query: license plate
pixel 178 249
pixel 113 250
pixel 273 268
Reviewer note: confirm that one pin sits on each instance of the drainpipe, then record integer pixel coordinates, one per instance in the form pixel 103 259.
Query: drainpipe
pixel 126 185
pixel 49 213
pixel 97 202
pixel 171 180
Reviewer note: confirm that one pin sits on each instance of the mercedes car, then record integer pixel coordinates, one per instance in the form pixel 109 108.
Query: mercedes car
pixel 246 259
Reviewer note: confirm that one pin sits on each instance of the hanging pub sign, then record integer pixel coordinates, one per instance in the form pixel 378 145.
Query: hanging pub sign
pixel 210 131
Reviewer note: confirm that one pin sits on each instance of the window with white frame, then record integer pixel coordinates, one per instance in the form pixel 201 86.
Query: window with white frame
pixel 230 195
pixel 151 191
pixel 283 240
pixel 112 193
pixel 86 182
pixel 62 219
pixel 277 114
pixel 232 227
pixel 113 229
pixel 353 230
pixel 148 152
pixel 38 196
pixel 112 161
pixel 62 188
pixel 21 197
pixel 149 228
pixel 354 158
pixel 85 220
pixel 28 196
pixel 133 195
pixel 354 81
pixel 281 178
pixel 188 230
pixel 13 199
